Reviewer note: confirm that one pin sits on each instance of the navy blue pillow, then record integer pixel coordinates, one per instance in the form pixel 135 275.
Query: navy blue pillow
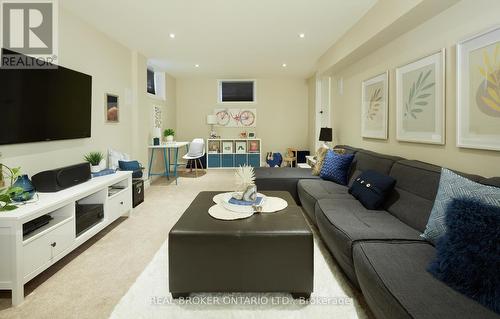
pixel 336 167
pixel 468 254
pixel 133 166
pixel 371 188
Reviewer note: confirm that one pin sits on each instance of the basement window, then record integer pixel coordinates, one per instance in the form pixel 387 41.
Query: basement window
pixel 236 91
pixel 156 84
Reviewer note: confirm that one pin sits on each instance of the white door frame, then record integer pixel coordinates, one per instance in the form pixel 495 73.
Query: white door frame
pixel 323 105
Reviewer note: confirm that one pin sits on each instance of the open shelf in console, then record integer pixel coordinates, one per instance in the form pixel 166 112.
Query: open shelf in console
pixel 117 188
pixel 59 217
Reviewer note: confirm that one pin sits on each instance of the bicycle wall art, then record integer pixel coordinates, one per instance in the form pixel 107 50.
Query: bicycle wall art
pixel 236 117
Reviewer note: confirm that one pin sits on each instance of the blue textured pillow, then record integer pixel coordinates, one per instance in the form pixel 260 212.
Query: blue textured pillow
pixel 452 186
pixel 371 188
pixel 468 255
pixel 336 167
pixel 133 166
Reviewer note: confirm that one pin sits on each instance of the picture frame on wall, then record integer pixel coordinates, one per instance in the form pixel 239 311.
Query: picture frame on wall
pixel 111 108
pixel 241 147
pixel 375 107
pixel 420 100
pixel 227 147
pixel 478 91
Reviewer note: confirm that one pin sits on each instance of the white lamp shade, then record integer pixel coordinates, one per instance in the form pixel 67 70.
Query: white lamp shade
pixel 211 119
pixel 156 132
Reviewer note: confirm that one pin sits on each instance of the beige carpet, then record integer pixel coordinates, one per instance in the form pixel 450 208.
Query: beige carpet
pixel 91 281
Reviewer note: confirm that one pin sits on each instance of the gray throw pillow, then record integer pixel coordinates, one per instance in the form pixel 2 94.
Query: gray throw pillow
pixel 452 186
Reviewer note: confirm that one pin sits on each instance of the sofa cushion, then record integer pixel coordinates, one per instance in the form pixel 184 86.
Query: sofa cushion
pixel 367 160
pixel 471 231
pixel 311 190
pixel 451 186
pixel 281 179
pixel 395 284
pixel 344 221
pixel 371 188
pixel 336 167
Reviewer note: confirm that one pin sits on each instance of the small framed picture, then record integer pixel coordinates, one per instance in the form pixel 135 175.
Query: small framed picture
pixel 111 109
pixel 227 147
pixel 251 134
pixel 254 146
pixel 241 147
pixel 213 147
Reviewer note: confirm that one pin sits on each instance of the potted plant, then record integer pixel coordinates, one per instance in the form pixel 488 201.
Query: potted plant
pixel 9 191
pixel 94 158
pixel 169 135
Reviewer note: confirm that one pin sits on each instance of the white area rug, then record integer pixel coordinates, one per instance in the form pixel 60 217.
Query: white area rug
pixel 149 297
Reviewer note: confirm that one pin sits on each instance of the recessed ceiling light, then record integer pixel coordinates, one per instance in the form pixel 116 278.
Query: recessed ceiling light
pixel 171 35
pixel 284 65
pixel 302 35
pixel 196 65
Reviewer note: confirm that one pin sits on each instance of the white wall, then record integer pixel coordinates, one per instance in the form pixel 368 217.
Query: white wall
pixel 84 49
pixel 460 21
pixel 282 111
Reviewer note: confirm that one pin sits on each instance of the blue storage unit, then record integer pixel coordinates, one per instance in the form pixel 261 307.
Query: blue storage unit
pixel 227 160
pixel 254 160
pixel 213 160
pixel 240 160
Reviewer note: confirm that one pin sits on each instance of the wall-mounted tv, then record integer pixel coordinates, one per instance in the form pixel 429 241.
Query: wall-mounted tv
pixel 44 104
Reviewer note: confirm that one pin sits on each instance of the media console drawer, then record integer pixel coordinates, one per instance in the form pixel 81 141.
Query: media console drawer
pixel 119 204
pixel 40 251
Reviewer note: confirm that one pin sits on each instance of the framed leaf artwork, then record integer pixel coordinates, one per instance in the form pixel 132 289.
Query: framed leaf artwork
pixel 375 106
pixel 478 91
pixel 420 95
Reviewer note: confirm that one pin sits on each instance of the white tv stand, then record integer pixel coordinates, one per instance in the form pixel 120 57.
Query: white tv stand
pixel 24 257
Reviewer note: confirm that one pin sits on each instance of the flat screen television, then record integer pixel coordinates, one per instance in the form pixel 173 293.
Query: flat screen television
pixel 44 104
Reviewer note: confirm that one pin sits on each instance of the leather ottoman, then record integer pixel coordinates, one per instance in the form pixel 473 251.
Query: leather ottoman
pixel 263 253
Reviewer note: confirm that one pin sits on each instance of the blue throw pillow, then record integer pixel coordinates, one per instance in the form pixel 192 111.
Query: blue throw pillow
pixel 371 188
pixel 336 167
pixel 451 186
pixel 133 166
pixel 468 255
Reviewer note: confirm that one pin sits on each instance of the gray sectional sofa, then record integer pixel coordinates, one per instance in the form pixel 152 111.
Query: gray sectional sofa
pixel 381 251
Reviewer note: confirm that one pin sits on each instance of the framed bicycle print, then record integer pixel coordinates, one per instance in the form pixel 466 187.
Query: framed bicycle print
pixel 420 114
pixel 478 91
pixel 236 117
pixel 375 106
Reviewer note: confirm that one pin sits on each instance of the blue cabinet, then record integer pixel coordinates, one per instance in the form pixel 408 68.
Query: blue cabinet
pixel 254 160
pixel 240 160
pixel 213 160
pixel 227 160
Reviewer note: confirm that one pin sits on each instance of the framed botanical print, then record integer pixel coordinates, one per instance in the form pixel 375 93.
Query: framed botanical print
pixel 420 100
pixel 227 147
pixel 478 91
pixel 375 106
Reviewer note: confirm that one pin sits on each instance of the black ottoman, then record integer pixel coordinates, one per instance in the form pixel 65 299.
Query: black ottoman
pixel 263 253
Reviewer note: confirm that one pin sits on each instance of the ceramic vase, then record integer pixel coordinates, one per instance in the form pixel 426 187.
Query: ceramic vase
pixel 26 185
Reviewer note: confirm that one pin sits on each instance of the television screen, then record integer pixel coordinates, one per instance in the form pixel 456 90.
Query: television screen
pixel 44 105
pixel 237 91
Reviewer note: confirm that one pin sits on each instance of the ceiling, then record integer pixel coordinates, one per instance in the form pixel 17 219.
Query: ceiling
pixel 232 38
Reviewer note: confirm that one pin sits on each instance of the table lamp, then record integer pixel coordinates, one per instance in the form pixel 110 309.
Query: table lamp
pixel 326 135
pixel 212 120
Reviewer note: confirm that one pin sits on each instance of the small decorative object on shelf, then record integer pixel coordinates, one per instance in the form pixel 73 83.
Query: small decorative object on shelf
pixel 169 135
pixel 251 134
pixel 94 158
pixel 28 190
pixel 243 134
pixel 8 191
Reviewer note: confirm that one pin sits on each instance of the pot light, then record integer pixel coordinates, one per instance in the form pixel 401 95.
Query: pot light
pixel 196 65
pixel 171 35
pixel 302 35
pixel 284 65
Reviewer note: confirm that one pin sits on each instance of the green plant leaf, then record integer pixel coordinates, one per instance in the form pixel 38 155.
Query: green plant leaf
pixel 8 208
pixel 428 86
pixel 423 96
pixel 422 103
pixel 426 76
pixel 417 111
pixel 413 115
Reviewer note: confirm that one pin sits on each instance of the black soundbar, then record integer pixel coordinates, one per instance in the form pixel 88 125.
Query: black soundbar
pixel 61 178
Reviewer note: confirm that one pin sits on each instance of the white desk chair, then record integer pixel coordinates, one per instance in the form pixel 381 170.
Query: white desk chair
pixel 195 153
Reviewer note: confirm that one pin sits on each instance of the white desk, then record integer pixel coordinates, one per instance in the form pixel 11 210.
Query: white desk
pixel 166 147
